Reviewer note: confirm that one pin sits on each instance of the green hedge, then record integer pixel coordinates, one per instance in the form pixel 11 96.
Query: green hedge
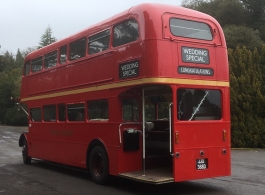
pixel 247 74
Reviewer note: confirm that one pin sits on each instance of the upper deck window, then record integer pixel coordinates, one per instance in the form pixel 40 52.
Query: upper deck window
pixel 63 54
pixel 125 32
pixel 78 49
pixel 190 29
pixel 99 42
pixel 50 59
pixel 27 68
pixel 36 64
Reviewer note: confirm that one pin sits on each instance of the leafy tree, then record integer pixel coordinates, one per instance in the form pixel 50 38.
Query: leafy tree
pixel 7 85
pixel 14 116
pixel 248 13
pixel 28 50
pixel 6 61
pixel 227 12
pixel 247 98
pixel 10 79
pixel 242 36
pixel 47 38
pixel 19 61
pixel 256 13
pixel 193 4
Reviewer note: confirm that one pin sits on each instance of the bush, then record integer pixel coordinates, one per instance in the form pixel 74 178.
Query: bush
pixel 15 117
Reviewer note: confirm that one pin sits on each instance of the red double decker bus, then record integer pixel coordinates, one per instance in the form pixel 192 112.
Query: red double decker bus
pixel 143 95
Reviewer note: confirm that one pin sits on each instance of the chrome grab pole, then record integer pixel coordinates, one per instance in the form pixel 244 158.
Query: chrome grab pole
pixel 143 109
pixel 170 128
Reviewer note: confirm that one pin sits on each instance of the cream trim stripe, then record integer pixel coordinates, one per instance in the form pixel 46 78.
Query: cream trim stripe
pixel 130 83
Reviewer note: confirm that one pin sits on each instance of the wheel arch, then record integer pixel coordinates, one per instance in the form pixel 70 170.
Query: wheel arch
pixel 92 144
pixel 22 137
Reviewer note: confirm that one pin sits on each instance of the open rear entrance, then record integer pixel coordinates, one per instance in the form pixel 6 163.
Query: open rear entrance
pixel 157 165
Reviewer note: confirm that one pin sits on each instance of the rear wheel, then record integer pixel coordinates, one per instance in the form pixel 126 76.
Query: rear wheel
pixel 26 158
pixel 99 165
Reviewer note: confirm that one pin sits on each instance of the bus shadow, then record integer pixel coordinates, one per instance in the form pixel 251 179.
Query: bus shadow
pixel 189 187
pixel 133 187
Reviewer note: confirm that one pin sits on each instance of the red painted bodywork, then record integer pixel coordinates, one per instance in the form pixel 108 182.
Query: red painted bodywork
pixel 159 53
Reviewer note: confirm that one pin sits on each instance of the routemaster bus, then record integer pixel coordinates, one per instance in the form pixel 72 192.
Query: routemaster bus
pixel 142 95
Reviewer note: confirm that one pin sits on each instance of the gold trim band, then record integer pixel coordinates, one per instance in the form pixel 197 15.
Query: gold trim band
pixel 130 83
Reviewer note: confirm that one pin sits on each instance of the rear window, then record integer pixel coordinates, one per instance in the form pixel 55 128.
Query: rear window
pixel 198 104
pixel 190 29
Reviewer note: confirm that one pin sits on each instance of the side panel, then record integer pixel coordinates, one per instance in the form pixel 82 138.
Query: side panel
pixel 65 77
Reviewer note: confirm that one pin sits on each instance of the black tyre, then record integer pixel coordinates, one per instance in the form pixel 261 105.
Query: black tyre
pixel 26 158
pixel 99 165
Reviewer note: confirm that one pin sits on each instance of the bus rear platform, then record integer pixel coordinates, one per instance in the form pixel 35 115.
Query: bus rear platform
pixel 159 175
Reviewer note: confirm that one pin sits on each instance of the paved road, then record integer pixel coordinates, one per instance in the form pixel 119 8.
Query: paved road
pixel 248 176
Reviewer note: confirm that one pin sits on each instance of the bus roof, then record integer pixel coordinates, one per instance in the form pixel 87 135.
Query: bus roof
pixel 147 11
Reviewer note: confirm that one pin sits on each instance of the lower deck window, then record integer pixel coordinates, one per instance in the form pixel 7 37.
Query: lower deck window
pixel 130 110
pixel 49 113
pixel 76 112
pixel 198 104
pixel 98 110
pixel 35 114
pixel 61 112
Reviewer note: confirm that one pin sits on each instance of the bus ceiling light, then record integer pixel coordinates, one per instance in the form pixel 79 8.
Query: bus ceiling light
pixel 224 135
pixel 177 137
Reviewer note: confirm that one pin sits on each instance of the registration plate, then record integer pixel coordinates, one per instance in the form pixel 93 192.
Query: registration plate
pixel 202 164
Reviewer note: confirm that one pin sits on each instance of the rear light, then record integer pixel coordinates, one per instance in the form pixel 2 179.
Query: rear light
pixel 224 135
pixel 177 137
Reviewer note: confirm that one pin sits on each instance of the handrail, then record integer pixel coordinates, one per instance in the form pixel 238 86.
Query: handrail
pixel 170 129
pixel 129 123
pixel 20 106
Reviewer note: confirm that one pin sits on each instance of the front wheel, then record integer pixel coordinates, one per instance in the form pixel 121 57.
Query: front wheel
pixel 99 165
pixel 26 158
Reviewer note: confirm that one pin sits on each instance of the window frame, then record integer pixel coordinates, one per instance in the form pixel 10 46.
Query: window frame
pixel 76 42
pixel 55 114
pixel 113 33
pixel 31 115
pixel 66 54
pixel 199 104
pixel 189 37
pixel 104 112
pixel 83 119
pixel 25 68
pixel 135 115
pixel 109 41
pixel 56 59
pixel 58 112
pixel 36 59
